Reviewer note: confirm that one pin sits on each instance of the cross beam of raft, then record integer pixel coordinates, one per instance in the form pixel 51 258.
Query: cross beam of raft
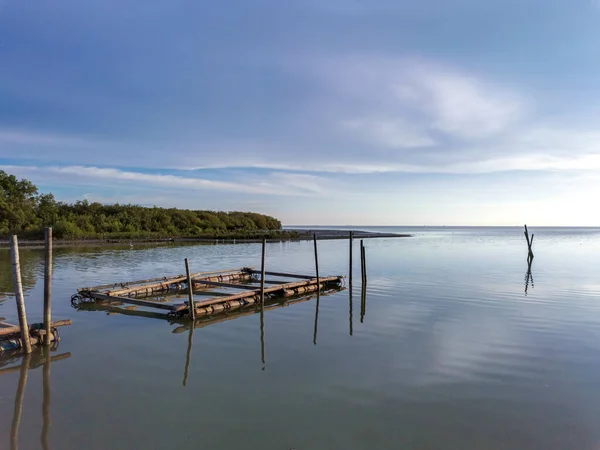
pixel 134 301
pixel 287 275
pixel 171 279
pixel 5 331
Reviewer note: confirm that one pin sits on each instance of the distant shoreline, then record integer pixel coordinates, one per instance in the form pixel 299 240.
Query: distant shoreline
pixel 303 235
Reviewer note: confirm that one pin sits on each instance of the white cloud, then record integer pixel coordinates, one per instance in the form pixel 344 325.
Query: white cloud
pixel 468 108
pixel 392 133
pixel 275 184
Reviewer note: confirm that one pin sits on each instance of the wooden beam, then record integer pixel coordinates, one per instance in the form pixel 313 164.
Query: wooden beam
pixel 5 331
pixel 134 301
pixel 227 285
pixel 139 284
pixel 282 274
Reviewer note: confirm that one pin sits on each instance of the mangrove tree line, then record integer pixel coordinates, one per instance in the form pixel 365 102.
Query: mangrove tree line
pixel 25 212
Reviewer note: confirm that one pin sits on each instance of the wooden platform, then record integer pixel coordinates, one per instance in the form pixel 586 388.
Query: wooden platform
pixel 214 292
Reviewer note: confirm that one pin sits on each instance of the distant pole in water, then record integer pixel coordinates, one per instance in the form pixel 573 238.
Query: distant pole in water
pixel 16 266
pixel 316 262
pixel 318 289
pixel 262 272
pixel 262 301
pixel 363 267
pixel 192 305
pixel 529 244
pixel 351 237
pixel 48 285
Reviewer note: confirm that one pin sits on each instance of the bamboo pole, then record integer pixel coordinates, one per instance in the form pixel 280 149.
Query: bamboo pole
pixel 262 273
pixel 529 243
pixel 287 275
pixel 190 290
pixel 14 248
pixel 45 437
pixel 362 261
pixel 316 258
pixel 365 264
pixel 48 284
pixel 18 408
pixel 351 238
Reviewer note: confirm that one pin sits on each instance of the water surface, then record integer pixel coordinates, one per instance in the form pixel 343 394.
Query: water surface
pixel 451 351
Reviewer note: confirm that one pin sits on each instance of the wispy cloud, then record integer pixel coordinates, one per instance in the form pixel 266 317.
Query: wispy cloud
pixel 271 184
pixel 20 137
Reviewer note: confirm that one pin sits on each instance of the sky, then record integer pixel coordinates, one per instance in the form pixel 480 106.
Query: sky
pixel 338 112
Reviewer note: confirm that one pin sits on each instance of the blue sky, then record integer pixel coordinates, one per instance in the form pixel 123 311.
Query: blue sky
pixel 455 112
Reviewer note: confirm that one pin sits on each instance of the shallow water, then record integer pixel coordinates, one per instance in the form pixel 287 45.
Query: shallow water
pixel 451 352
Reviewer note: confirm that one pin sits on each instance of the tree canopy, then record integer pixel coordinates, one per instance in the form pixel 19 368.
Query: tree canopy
pixel 24 211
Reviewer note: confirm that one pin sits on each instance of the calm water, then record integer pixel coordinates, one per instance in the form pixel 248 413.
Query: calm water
pixel 451 353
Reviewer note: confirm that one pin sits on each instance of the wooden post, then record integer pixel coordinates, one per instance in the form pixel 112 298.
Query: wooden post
pixel 362 261
pixel 192 306
pixel 262 301
pixel 364 256
pixel 316 262
pixel 350 269
pixel 48 285
pixel 529 244
pixel 262 272
pixel 14 249
pixel 318 289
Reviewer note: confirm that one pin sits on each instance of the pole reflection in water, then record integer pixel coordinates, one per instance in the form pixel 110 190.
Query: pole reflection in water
pixel 188 356
pixel 528 276
pixel 16 422
pixel 45 437
pixel 350 307
pixel 262 334
pixel 363 302
pixel 316 318
pixel 40 357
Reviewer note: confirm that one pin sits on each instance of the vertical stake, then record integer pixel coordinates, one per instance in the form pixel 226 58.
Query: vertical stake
pixel 317 263
pixel 351 237
pixel 262 301
pixel 362 261
pixel 14 251
pixel 192 305
pixel 262 272
pixel 48 285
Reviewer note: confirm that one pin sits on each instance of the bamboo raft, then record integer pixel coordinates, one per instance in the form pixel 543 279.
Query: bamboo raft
pixel 166 293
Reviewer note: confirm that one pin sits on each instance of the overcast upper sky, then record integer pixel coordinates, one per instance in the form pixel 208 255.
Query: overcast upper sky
pixel 384 112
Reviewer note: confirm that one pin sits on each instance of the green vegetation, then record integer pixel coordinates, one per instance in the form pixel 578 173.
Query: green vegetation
pixel 26 212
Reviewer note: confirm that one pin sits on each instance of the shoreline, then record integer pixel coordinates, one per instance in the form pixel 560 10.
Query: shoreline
pixel 303 235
